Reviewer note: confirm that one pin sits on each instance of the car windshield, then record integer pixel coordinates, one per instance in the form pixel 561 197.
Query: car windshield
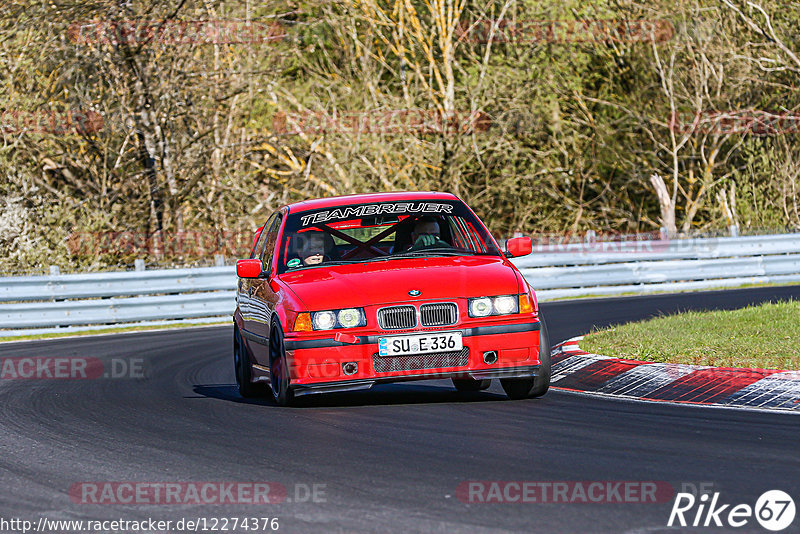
pixel 387 230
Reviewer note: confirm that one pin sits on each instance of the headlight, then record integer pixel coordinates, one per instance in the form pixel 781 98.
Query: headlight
pixel 324 320
pixel 349 317
pixel 501 305
pixel 481 307
pixel 346 318
pixel 505 305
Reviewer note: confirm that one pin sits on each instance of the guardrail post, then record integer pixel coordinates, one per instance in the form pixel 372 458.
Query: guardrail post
pixel 219 260
pixel 55 270
pixel 138 265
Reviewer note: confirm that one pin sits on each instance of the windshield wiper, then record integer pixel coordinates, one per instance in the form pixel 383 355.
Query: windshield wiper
pixel 323 264
pixel 433 252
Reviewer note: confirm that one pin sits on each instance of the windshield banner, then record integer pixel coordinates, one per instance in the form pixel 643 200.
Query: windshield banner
pixel 352 212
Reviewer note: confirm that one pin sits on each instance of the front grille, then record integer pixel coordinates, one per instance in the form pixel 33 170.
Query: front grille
pixel 442 314
pixel 412 362
pixel 397 317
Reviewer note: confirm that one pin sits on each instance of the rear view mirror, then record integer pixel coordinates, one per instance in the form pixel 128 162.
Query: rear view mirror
pixel 250 268
pixel 519 246
pixel 379 220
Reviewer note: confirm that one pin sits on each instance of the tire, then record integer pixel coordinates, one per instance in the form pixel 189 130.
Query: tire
pixel 541 383
pixel 470 384
pixel 517 388
pixel 278 369
pixel 244 373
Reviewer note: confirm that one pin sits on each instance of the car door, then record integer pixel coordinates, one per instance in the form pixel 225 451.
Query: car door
pixel 262 294
pixel 247 307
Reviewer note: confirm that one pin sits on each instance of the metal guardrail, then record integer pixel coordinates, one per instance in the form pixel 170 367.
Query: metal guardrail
pixel 55 303
pixel 58 303
pixel 589 252
pixel 119 284
pixel 115 311
pixel 620 267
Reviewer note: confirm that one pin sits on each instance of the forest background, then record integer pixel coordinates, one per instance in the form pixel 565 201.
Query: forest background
pixel 169 130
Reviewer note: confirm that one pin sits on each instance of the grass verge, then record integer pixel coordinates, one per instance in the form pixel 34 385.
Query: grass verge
pixel 766 336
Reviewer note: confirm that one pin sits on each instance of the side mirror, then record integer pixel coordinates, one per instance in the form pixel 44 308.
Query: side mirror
pixel 250 268
pixel 519 246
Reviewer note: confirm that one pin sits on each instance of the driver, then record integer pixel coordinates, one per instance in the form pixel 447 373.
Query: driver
pixel 312 252
pixel 426 235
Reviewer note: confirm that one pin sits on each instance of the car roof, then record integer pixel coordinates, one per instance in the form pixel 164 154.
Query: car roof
pixel 366 198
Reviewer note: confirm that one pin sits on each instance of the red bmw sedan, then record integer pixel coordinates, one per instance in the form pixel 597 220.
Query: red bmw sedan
pixel 343 293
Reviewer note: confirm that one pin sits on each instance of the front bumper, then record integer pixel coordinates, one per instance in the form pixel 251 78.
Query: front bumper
pixel 354 385
pixel 316 364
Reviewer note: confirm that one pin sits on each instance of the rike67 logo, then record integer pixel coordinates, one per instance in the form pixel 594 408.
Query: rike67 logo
pixel 774 510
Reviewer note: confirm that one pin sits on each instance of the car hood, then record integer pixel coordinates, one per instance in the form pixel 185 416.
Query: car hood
pixel 384 282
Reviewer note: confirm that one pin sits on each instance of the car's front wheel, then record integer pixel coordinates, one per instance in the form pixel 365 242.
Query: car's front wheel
pixel 278 369
pixel 542 381
pixel 470 384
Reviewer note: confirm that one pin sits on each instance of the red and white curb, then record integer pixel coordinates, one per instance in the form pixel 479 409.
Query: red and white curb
pixel 576 370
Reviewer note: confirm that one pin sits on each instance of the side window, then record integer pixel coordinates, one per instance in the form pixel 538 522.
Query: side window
pixel 476 236
pixel 458 237
pixel 269 245
pixel 263 237
pixel 465 232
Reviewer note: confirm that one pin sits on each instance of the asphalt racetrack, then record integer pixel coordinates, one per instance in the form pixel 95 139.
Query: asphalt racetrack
pixel 386 460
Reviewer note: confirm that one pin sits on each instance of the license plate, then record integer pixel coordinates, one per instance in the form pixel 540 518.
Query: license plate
pixel 420 344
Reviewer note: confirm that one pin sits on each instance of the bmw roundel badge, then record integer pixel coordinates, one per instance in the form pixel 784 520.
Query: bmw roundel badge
pixel 415 292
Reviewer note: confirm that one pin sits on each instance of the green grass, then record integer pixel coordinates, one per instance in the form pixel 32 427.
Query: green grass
pixel 765 336
pixel 121 329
